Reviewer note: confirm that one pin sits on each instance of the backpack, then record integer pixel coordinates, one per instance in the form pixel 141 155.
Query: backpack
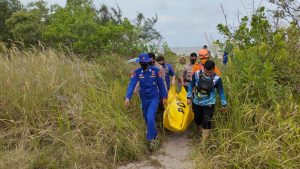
pixel 205 86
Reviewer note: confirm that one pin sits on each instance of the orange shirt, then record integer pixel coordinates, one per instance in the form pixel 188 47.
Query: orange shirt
pixel 199 66
pixel 196 67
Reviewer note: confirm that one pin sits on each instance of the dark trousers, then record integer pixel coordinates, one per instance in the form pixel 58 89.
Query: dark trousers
pixel 203 115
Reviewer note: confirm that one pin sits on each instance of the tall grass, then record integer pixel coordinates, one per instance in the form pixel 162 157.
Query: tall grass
pixel 262 127
pixel 62 112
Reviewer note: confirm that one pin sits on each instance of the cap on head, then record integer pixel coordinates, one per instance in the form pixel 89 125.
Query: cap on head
pixel 203 54
pixel 144 57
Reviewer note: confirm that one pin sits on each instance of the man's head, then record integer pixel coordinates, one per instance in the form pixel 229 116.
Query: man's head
pixel 152 56
pixel 204 47
pixel 144 60
pixel 209 67
pixel 203 55
pixel 160 60
pixel 193 58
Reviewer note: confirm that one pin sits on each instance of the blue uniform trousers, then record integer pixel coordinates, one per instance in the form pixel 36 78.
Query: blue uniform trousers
pixel 149 107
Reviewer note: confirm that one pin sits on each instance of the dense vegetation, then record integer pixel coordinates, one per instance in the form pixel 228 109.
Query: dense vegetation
pixel 61 110
pixel 63 79
pixel 261 129
pixel 79 27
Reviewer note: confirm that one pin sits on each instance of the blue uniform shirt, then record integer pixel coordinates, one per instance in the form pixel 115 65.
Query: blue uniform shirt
pixel 169 72
pixel 225 58
pixel 151 84
pixel 209 99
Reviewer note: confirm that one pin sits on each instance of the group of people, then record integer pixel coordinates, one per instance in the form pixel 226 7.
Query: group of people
pixel 154 78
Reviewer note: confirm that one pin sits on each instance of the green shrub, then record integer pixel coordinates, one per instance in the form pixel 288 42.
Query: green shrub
pixel 261 129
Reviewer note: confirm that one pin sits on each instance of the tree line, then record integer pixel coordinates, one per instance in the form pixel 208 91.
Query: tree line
pixel 79 27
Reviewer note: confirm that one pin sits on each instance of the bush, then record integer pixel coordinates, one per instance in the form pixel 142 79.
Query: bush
pixel 261 130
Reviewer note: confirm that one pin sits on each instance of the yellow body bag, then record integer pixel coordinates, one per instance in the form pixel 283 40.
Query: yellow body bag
pixel 178 114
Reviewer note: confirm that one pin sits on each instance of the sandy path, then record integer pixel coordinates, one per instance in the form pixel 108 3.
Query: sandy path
pixel 174 154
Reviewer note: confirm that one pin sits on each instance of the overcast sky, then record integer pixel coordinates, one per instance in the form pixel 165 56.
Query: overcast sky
pixel 183 23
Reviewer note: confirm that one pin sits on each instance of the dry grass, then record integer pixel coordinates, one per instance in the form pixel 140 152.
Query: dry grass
pixel 62 112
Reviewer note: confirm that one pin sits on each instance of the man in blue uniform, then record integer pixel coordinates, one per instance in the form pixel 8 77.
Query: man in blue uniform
pixel 225 58
pixel 168 71
pixel 202 96
pixel 152 89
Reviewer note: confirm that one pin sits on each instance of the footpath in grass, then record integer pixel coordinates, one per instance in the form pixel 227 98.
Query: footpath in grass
pixel 174 154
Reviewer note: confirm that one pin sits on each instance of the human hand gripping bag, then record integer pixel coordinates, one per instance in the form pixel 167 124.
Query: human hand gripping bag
pixel 178 114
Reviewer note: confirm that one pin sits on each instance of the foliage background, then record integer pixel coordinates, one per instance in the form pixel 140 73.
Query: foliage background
pixel 63 79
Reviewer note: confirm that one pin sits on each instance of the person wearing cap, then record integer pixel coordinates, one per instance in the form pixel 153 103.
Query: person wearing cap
pixel 186 73
pixel 153 62
pixel 204 56
pixel 169 72
pixel 202 96
pixel 152 89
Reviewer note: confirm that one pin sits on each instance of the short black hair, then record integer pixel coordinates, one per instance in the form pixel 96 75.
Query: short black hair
pixel 209 65
pixel 193 55
pixel 204 47
pixel 160 58
pixel 151 55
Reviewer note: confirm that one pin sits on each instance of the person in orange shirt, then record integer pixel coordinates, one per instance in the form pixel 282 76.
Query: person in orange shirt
pixel 204 56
